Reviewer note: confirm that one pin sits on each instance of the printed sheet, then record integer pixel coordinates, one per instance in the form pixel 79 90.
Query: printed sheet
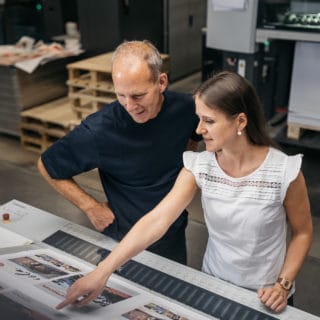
pixel 33 282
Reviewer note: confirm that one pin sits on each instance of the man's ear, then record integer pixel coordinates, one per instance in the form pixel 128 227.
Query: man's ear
pixel 163 82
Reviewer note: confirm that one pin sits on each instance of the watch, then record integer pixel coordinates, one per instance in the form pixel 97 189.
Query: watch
pixel 285 283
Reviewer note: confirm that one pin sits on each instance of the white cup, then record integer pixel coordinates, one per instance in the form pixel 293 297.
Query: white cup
pixel 71 29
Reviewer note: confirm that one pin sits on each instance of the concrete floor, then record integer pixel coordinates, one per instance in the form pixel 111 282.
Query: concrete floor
pixel 19 179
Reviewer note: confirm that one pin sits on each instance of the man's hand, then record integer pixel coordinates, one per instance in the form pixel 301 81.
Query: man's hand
pixel 274 297
pixel 84 290
pixel 100 215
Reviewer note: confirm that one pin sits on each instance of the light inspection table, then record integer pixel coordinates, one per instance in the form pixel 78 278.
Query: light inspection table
pixel 146 286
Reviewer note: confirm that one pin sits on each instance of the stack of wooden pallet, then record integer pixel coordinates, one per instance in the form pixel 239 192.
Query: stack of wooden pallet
pixel 90 83
pixel 43 125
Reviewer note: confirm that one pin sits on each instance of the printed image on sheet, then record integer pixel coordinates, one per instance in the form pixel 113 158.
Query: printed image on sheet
pixel 138 314
pixel 152 311
pixel 35 269
pixel 164 312
pixel 50 260
pixel 17 306
pixel 109 295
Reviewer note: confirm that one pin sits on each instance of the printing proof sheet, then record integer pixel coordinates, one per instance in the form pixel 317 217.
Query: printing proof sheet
pixel 30 222
pixel 33 282
pixel 11 239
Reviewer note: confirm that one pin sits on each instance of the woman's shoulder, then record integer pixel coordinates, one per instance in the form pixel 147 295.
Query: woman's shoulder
pixel 281 157
pixel 285 166
pixel 193 160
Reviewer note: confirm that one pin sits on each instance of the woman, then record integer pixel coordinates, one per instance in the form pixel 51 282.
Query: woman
pixel 249 192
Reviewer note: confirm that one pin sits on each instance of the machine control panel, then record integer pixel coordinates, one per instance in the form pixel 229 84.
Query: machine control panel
pixel 289 15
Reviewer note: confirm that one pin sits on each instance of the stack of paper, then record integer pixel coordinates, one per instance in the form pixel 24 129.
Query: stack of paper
pixel 11 239
pixel 304 104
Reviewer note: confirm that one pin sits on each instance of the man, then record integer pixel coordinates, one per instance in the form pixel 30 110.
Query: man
pixel 135 142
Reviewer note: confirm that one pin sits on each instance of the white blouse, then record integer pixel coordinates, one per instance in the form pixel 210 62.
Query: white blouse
pixel 245 217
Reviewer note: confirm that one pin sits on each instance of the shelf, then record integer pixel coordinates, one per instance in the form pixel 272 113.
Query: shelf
pixel 263 35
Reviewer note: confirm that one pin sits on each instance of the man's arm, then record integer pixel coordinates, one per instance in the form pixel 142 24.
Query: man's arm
pixel 99 213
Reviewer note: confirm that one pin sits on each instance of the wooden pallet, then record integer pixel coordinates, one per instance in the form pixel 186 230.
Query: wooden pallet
pixel 43 125
pixel 90 83
pixel 86 101
pixel 295 130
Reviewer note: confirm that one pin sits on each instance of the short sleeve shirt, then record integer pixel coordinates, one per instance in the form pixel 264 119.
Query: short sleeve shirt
pixel 137 163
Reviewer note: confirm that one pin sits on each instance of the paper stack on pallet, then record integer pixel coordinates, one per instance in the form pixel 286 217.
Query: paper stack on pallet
pixel 30 74
pixel 304 104
pixel 20 90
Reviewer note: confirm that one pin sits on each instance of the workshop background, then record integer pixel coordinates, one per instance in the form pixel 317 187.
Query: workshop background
pixel 274 44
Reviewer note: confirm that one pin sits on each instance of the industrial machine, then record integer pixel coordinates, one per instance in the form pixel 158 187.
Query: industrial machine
pixel 38 19
pixel 173 26
pixel 257 40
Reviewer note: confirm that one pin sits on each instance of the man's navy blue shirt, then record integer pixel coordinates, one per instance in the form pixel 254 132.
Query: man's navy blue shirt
pixel 137 163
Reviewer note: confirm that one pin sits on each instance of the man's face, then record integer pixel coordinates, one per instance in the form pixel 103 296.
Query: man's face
pixel 135 90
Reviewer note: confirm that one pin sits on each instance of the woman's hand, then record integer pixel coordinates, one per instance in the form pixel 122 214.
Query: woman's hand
pixel 85 289
pixel 274 297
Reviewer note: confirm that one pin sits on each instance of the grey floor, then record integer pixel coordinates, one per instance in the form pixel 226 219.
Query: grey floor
pixel 20 180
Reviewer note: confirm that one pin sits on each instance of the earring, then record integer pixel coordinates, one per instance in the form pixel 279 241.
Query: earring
pixel 239 133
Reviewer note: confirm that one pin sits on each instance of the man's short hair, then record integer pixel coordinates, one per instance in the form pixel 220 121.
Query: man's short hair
pixel 143 50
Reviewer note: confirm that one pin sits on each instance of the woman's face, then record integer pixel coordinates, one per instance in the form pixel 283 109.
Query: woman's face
pixel 218 130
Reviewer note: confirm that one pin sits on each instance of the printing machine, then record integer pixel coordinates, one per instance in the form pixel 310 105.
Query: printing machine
pixel 257 40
